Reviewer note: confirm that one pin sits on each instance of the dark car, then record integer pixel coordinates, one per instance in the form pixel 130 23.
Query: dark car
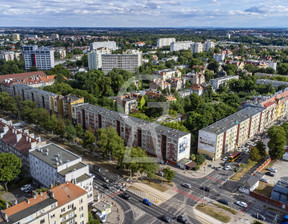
pixel 223 201
pixel 259 216
pixel 181 219
pixel 205 189
pixel 126 196
pixel 270 174
pixel 165 218
pixel 107 186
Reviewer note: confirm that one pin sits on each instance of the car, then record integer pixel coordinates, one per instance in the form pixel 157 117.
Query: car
pixel 264 180
pixel 204 188
pixel 272 170
pixel 225 158
pixel 165 218
pixel 218 168
pixel 181 219
pixel 120 187
pixel 270 174
pixel 259 216
pixel 186 185
pixel 223 201
pixel 147 202
pixel 25 187
pixel 126 196
pixel 160 173
pixel 241 204
pixel 107 186
pixel 227 167
pixel 29 189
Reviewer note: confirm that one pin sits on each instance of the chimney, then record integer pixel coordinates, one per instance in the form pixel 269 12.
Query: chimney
pixel 29 140
pixel 15 202
pixel 27 200
pixel 6 205
pixel 34 196
pixel 41 193
pixel 18 137
pixel 51 194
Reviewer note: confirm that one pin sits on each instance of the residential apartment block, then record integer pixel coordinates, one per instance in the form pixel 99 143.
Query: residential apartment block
pixel 53 165
pixel 161 42
pixel 274 83
pixel 129 62
pixel 108 44
pixel 42 58
pixel 216 83
pixel 95 57
pixel 17 141
pixel 167 74
pixel 64 204
pixel 168 144
pixel 10 55
pixel 219 57
pixel 16 36
pixel 227 134
pixel 196 47
pixel 180 45
pixel 208 45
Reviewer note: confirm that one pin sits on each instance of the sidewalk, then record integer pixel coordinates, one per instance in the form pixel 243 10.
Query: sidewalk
pixel 117 214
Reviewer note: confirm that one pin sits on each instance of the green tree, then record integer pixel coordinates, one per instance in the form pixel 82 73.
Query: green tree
pixel 285 126
pixel 79 130
pixel 92 220
pixel 169 174
pixel 89 140
pixel 261 148
pixel 61 126
pixel 70 132
pixel 254 154
pixel 109 142
pixel 10 168
pixel 277 141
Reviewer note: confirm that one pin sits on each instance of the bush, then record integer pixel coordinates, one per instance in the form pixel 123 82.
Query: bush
pixel 2 204
pixel 43 189
pixel 236 170
pixel 200 159
pixel 197 167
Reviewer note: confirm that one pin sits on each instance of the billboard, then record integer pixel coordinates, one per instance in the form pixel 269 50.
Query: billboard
pixel 207 141
pixel 184 144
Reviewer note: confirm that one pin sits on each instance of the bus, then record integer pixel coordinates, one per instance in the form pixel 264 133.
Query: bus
pixel 234 156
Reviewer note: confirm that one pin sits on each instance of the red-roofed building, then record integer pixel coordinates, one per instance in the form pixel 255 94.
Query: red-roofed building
pixel 66 203
pixel 18 142
pixel 197 89
pixel 33 79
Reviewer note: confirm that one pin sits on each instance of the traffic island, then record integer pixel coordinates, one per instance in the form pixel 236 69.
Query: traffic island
pixel 213 212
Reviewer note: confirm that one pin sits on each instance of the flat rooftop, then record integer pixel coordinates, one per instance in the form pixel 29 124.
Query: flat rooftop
pixel 228 122
pixel 134 122
pixel 54 151
pixel 77 166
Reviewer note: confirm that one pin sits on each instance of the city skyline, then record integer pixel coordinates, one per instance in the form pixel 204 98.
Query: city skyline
pixel 135 13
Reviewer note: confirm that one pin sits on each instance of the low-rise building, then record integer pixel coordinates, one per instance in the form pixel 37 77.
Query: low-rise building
pixel 10 55
pixel 274 83
pixel 219 57
pixel 53 165
pixel 108 44
pixel 280 191
pixel 66 203
pixel 196 88
pixel 159 84
pixel 167 74
pixel 216 83
pixel 17 141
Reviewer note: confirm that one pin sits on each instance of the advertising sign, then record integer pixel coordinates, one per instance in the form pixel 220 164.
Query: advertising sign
pixel 207 141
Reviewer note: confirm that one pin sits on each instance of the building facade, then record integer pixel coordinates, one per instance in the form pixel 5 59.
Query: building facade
pixel 180 45
pixel 208 45
pixel 16 36
pixel 196 47
pixel 216 83
pixel 53 165
pixel 108 44
pixel 42 58
pixel 167 144
pixel 64 204
pixel 161 42
pixel 95 57
pixel 9 55
pixel 274 83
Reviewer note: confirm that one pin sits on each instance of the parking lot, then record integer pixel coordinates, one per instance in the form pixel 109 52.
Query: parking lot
pixel 281 166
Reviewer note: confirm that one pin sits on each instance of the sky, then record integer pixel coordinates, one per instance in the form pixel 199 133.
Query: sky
pixel 144 13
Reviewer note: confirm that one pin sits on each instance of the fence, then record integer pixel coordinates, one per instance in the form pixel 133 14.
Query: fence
pixel 269 200
pixel 267 161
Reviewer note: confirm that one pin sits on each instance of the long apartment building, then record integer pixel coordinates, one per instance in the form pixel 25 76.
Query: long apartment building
pixel 196 47
pixel 42 58
pixel 64 204
pixel 167 144
pixel 17 141
pixel 172 145
pixel 128 61
pixel 95 57
pixel 162 42
pixel 107 44
pixel 216 83
pixel 180 45
pixel 227 134
pixel 51 164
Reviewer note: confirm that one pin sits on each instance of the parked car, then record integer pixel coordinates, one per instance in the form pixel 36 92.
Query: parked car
pixel 120 187
pixel 241 204
pixel 272 170
pixel 181 219
pixel 165 218
pixel 270 174
pixel 160 173
pixel 25 187
pixel 107 186
pixel 223 201
pixel 227 167
pixel 186 185
pixel 264 180
pixel 126 196
pixel 218 168
pixel 225 158
pixel 29 189
pixel 204 188
pixel 259 216
pixel 147 202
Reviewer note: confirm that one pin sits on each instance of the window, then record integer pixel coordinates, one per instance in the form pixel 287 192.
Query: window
pixel 53 215
pixel 81 201
pixel 62 210
pixel 81 208
pixel 81 215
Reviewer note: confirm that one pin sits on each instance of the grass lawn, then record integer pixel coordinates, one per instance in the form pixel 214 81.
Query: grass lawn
pixel 264 189
pixel 243 171
pixel 214 212
pixel 234 212
pixel 155 185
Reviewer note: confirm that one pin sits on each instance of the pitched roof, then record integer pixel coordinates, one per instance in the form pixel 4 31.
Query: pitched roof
pixel 21 75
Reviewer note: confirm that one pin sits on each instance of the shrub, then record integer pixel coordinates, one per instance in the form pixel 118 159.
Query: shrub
pixel 197 167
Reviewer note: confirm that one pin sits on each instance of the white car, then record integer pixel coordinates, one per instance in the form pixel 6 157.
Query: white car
pixel 241 204
pixel 225 158
pixel 264 180
pixel 227 167
pixel 186 185
pixel 272 170
pixel 25 187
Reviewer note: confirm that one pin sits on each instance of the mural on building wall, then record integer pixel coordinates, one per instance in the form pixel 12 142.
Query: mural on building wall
pixel 184 144
pixel 207 141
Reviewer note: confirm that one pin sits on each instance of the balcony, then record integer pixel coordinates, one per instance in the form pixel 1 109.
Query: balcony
pixel 70 219
pixel 66 213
